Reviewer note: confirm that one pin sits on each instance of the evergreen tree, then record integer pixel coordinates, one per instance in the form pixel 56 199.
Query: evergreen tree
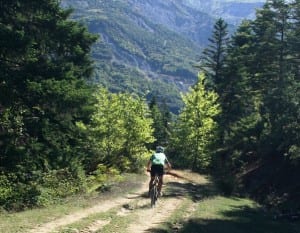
pixel 273 77
pixel 259 99
pixel 213 56
pixel 238 100
pixel 44 68
pixel 161 122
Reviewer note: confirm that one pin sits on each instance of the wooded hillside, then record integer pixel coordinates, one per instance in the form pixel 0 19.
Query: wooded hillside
pixel 61 134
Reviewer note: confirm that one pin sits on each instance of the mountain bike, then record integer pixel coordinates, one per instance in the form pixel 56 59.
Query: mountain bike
pixel 154 191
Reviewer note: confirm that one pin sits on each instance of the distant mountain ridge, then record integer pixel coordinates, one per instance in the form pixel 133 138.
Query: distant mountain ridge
pixel 195 18
pixel 147 47
pixel 233 11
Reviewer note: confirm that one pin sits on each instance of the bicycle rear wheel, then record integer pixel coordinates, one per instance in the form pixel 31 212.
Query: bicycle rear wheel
pixel 153 195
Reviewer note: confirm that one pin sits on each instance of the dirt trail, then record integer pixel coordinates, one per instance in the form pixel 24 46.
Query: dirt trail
pixel 102 207
pixel 152 217
pixel 147 218
pixel 74 217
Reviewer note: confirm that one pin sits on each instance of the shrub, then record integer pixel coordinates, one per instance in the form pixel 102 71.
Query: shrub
pixel 40 189
pixel 58 184
pixel 16 195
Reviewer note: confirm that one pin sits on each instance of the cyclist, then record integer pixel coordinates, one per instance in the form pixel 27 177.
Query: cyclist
pixel 156 165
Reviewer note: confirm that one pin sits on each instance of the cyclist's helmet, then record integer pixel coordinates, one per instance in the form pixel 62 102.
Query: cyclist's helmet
pixel 159 149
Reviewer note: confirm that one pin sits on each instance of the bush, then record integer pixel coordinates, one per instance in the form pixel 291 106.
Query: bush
pixel 40 189
pixel 58 184
pixel 6 189
pixel 16 195
pixel 102 177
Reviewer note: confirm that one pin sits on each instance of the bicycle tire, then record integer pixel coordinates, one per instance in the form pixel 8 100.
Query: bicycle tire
pixel 153 195
pixel 154 192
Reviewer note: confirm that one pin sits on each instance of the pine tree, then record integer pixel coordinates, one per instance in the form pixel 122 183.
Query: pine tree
pixel 45 64
pixel 213 56
pixel 273 76
pixel 161 122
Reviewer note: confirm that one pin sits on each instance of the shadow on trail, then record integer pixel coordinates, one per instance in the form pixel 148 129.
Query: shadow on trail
pixel 177 189
pixel 234 219
pixel 195 191
pixel 239 220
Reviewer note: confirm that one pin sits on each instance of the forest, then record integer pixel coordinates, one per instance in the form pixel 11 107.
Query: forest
pixel 62 134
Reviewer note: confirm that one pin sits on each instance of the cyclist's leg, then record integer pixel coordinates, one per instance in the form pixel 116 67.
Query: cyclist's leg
pixel 161 176
pixel 160 183
pixel 150 182
pixel 153 171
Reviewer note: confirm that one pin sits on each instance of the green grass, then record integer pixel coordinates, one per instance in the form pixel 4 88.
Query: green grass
pixel 20 222
pixel 218 214
pixel 83 223
pixel 234 215
pixel 207 212
pixel 23 221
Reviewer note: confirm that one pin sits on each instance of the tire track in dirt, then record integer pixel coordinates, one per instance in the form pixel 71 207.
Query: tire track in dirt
pixel 77 216
pixel 147 218
pixel 151 218
pixel 74 217
pixel 95 226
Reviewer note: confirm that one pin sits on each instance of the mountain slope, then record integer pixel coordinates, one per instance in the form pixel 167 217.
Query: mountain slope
pixel 146 46
pixel 136 55
pixel 232 11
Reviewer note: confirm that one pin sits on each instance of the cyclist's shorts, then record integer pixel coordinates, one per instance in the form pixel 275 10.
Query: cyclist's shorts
pixel 157 169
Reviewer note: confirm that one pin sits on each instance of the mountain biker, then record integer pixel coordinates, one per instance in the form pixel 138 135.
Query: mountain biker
pixel 156 165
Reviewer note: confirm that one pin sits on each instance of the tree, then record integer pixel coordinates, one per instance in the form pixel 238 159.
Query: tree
pixel 161 122
pixel 292 93
pixel 273 78
pixel 120 131
pixel 213 56
pixel 238 98
pixel 196 126
pixel 260 91
pixel 44 60
pixel 45 66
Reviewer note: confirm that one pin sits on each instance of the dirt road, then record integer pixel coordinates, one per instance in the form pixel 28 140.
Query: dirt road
pixel 134 207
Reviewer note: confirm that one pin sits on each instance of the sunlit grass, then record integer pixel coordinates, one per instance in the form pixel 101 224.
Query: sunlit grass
pixel 23 221
pixel 234 215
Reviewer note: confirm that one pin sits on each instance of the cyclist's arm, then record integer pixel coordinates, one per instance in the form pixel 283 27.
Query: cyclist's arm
pixel 168 163
pixel 149 165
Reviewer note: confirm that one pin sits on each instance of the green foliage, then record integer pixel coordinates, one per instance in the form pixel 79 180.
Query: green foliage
pixel 16 194
pixel 161 123
pixel 6 189
pixel 102 178
pixel 196 127
pixel 259 97
pixel 20 191
pixel 45 65
pixel 57 184
pixel 294 154
pixel 120 129
pixel 212 61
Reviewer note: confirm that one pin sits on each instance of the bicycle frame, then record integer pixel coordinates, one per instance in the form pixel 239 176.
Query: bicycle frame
pixel 154 190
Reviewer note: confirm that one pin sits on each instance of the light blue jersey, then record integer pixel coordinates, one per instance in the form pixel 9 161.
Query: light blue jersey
pixel 158 159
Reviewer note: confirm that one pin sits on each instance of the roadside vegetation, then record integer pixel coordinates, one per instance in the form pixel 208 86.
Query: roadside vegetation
pixel 61 135
pixel 12 222
pixel 201 208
